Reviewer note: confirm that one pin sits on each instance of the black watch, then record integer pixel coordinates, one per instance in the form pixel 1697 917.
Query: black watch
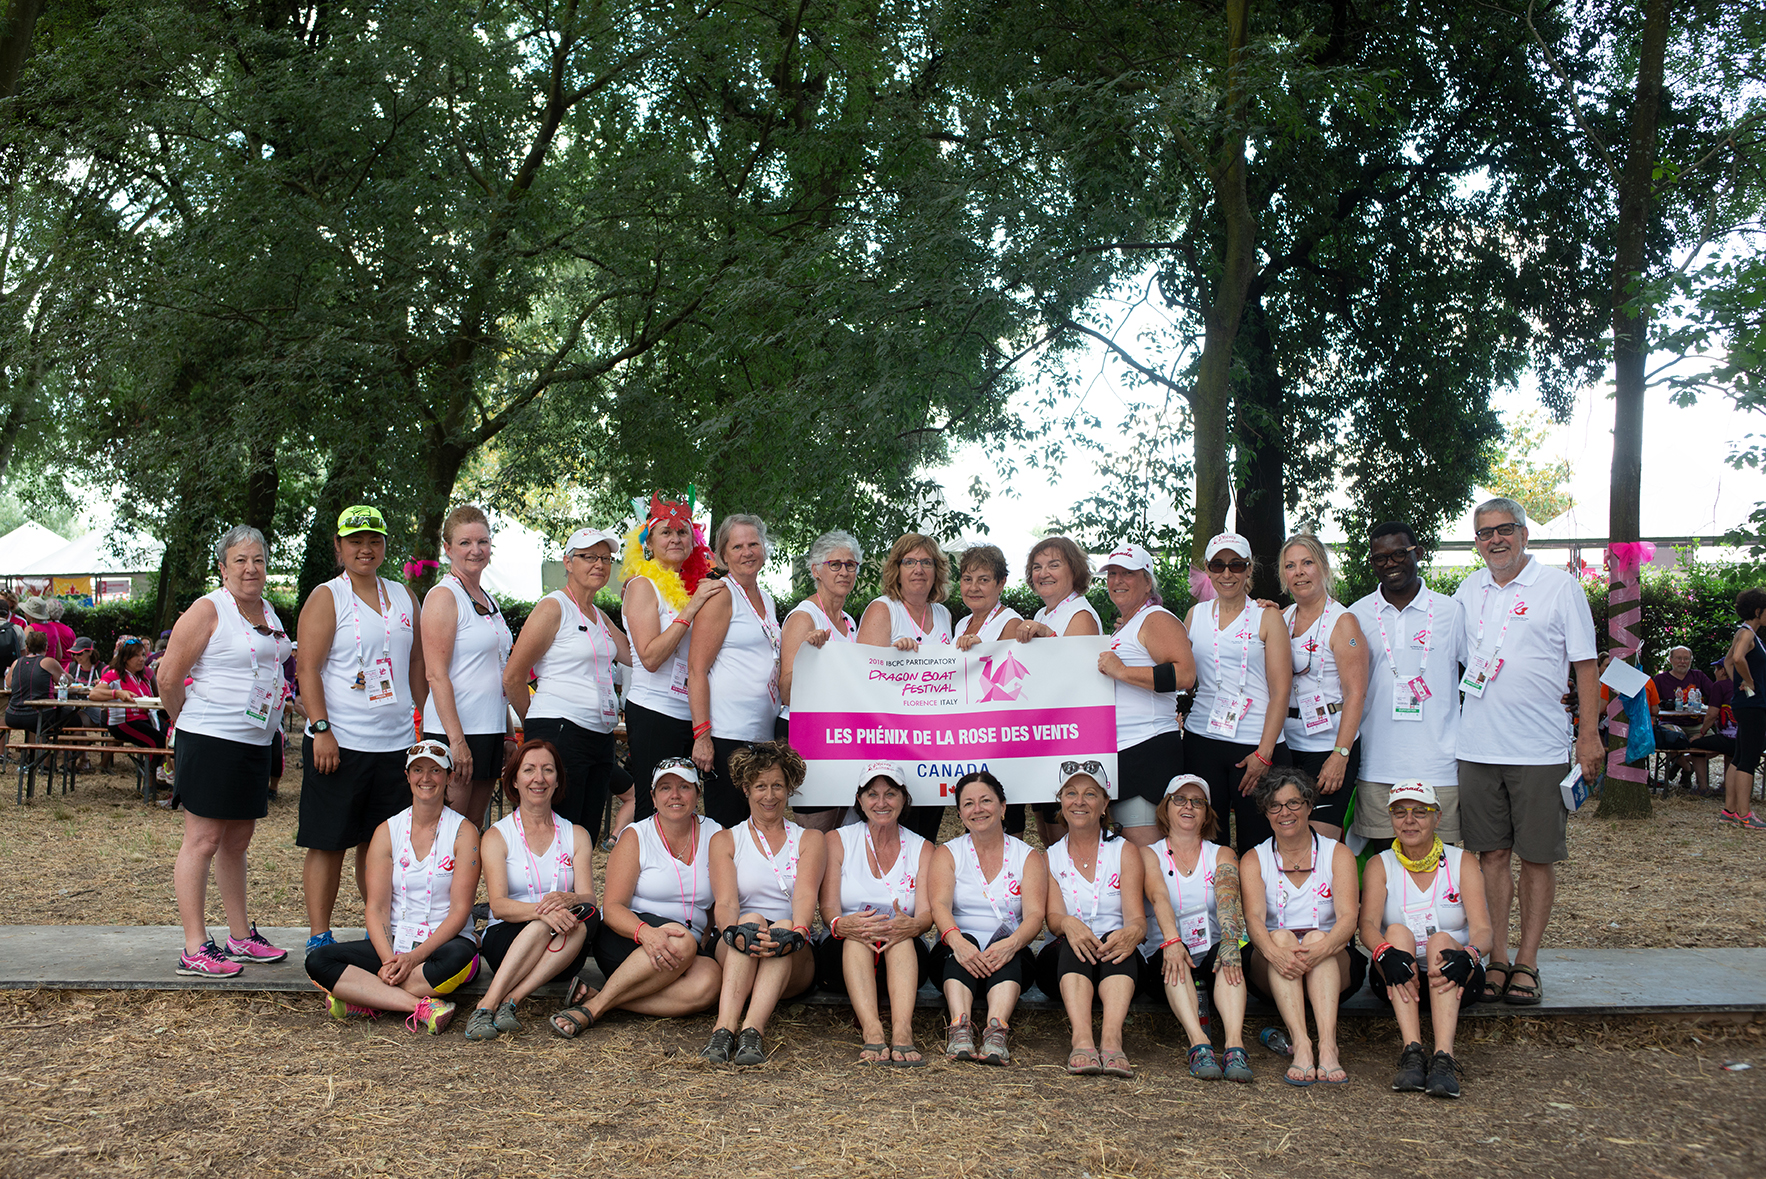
pixel 321 726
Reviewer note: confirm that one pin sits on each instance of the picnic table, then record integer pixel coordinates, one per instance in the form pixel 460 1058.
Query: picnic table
pixel 58 745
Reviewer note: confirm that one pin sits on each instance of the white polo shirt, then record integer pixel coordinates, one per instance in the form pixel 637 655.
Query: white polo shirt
pixel 1426 638
pixel 1520 718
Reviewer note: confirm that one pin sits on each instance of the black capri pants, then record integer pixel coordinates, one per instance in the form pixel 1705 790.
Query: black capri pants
pixel 587 769
pixel 1020 969
pixel 1057 959
pixel 451 966
pixel 499 937
pixel 1750 739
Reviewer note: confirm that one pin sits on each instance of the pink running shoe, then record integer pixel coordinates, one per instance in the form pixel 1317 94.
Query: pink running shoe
pixel 1751 822
pixel 207 962
pixel 254 947
pixel 1728 817
pixel 432 1016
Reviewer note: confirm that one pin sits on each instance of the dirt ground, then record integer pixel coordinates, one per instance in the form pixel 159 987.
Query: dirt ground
pixel 208 1083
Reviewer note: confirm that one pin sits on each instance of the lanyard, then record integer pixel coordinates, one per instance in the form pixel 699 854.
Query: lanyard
pixel 991 615
pixel 594 643
pixel 786 886
pixel 533 865
pixel 270 620
pixel 1428 635
pixel 768 627
pixel 1434 888
pixel 494 620
pixel 1282 886
pixel 828 620
pixel 1244 645
pixel 1097 881
pixel 1005 869
pixel 1048 613
pixel 1507 617
pixel 689 900
pixel 1122 629
pixel 920 632
pixel 1177 877
pixel 1313 663
pixel 356 614
pixel 401 890
pixel 901 864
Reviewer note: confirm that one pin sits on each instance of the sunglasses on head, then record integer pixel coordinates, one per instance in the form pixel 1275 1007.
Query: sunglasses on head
pixel 1236 565
pixel 1069 768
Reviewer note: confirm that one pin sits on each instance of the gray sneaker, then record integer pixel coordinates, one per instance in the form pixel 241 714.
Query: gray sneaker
pixel 748 1048
pixel 993 1045
pixel 717 1050
pixel 505 1018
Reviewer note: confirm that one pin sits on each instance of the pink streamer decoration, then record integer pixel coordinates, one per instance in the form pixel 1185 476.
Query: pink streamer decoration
pixel 1625 559
pixel 1201 588
pixel 416 569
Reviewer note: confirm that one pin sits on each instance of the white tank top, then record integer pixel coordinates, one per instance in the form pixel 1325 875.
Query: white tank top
pixel 1001 617
pixel 576 670
pixel 1315 670
pixel 665 689
pixel 481 649
pixel 1098 901
pixel 765 882
pixel 745 675
pixel 1192 901
pixel 819 620
pixel 1440 908
pixel 1230 662
pixel 420 885
pixel 902 625
pixel 860 888
pixel 982 907
pixel 362 636
pixel 668 888
pixel 1141 713
pixel 1057 617
pixel 223 675
pixel 532 875
pixel 1298 906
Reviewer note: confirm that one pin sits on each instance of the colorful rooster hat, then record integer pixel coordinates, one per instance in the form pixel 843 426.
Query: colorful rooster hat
pixel 675 587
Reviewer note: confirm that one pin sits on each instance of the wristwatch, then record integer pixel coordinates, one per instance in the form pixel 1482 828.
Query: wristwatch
pixel 321 726
pixel 1341 750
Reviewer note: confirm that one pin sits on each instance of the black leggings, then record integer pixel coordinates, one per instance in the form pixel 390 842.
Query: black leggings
pixel 1057 959
pixel 455 963
pixel 1020 969
pixel 652 737
pixel 1216 762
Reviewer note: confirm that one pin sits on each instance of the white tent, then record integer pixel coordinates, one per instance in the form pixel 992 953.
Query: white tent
pixel 99 553
pixel 25 545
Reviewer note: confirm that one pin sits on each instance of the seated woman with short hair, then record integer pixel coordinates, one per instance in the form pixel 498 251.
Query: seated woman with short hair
pixel 1414 894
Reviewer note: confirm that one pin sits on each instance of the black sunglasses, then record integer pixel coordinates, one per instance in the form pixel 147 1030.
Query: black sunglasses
pixel 1237 565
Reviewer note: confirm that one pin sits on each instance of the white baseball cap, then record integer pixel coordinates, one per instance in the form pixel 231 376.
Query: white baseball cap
pixel 882 769
pixel 1183 780
pixel 1227 540
pixel 434 750
pixel 588 538
pixel 1089 768
pixel 1131 557
pixel 1412 791
pixel 681 767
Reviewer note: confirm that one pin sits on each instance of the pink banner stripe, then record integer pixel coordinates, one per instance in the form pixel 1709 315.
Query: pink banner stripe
pixel 964 736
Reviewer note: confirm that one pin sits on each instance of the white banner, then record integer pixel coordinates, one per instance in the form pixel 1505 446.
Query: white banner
pixel 1018 710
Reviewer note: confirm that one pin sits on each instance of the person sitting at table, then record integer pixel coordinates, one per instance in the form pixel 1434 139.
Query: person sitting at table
pixel 1686 689
pixel 34 677
pixel 1424 914
pixel 125 682
pixel 1716 733
pixel 83 665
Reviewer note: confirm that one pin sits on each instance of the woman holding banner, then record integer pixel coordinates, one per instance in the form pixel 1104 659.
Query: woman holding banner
pixel 833 561
pixel 981 575
pixel 1059 572
pixel 911 613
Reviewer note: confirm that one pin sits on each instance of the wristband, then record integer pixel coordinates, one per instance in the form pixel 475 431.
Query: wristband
pixel 1259 756
pixel 700 730
pixel 1477 954
pixel 803 929
pixel 642 926
pixel 1165 677
pixel 679 621
pixel 946 934
pixel 834 928
pixel 1168 942
pixel 1382 948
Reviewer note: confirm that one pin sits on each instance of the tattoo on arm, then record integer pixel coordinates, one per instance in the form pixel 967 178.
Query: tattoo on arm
pixel 1231 912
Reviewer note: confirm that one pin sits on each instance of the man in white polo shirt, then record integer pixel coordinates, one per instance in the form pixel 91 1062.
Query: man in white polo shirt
pixel 1410 725
pixel 1526 627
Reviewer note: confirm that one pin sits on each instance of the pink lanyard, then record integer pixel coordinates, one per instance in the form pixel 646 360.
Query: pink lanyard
pixel 1312 660
pixel 786 886
pixel 1282 885
pixel 902 877
pixel 533 865
pixel 689 900
pixel 991 615
pixel 356 614
pixel 1244 647
pixel 1428 635
pixel 1097 881
pixel 1005 870
pixel 402 890
pixel 829 620
pixel 1177 877
pixel 1508 615
pixel 1434 888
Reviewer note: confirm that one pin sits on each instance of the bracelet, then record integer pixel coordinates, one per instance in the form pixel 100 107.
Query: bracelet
pixel 678 621
pixel 1383 947
pixel 834 929
pixel 700 730
pixel 1477 954
pixel 1170 941
pixel 803 929
pixel 642 926
pixel 946 934
pixel 1259 756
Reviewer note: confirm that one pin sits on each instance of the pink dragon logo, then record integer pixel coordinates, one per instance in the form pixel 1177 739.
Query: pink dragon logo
pixel 1004 679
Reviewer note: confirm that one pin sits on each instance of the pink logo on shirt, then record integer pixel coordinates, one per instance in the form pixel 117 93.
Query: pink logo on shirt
pixel 446 864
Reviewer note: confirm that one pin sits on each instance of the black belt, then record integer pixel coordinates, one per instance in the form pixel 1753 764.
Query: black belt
pixel 1294 713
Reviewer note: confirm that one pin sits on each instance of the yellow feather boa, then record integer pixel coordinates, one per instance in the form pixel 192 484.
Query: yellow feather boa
pixel 668 583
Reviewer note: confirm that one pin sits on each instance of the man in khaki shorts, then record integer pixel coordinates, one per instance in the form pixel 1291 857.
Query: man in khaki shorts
pixel 1410 723
pixel 1527 626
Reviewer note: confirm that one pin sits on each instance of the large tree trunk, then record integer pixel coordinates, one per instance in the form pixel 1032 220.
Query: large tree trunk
pixel 344 484
pixel 263 485
pixel 1262 507
pixel 18 21
pixel 1212 397
pixel 1623 797
pixel 443 470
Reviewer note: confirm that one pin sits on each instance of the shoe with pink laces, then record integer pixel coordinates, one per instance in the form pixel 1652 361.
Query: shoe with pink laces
pixel 341 1011
pixel 432 1016
pixel 1750 822
pixel 207 962
pixel 254 947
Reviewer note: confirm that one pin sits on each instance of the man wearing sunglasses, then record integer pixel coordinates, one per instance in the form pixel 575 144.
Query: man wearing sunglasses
pixel 1527 626
pixel 1410 725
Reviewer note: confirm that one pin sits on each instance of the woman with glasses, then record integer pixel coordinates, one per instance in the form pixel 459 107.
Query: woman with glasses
pixel 539 875
pixel 1233 731
pixel 733 667
pixel 124 682
pixel 665 567
pixel 1425 916
pixel 572 647
pixel 1302 948
pixel 1195 928
pixel 765 875
pixel 988 892
pixel 876 912
pixel 1149 658
pixel 466 644
pixel 230 646
pixel 1330 681
pixel 1096 935
pixel 910 614
pixel 833 562
pixel 361 677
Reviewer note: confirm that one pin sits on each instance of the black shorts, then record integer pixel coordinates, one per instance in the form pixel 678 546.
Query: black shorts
pixel 340 811
pixel 945 968
pixel 214 778
pixel 1216 762
pixel 1472 993
pixel 487 753
pixel 587 769
pixel 499 937
pixel 653 737
pixel 450 967
pixel 1153 974
pixel 1144 770
pixel 611 950
pixel 1057 959
pixel 1750 739
pixel 831 965
pixel 1357 975
pixel 1331 809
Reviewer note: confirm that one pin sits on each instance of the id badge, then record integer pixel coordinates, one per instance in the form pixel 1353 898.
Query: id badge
pixel 381 693
pixel 1228 712
pixel 609 701
pixel 1405 706
pixel 677 681
pixel 1195 934
pixel 1006 928
pixel 258 703
pixel 1479 672
pixel 406 936
pixel 1313 713
pixel 1419 689
pixel 1422 924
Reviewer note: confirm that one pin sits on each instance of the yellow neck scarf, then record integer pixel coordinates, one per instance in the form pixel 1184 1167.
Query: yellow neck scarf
pixel 1427 864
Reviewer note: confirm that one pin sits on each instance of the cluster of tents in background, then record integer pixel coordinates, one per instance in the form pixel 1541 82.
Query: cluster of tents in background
pixel 97 567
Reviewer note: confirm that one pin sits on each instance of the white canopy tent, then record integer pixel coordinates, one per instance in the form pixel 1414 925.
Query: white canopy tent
pixel 25 545
pixel 100 553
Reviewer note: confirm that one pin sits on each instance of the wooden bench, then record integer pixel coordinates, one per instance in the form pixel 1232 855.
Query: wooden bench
pixel 46 755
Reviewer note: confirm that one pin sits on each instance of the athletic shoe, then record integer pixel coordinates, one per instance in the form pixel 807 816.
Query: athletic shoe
pixel 1413 1064
pixel 748 1048
pixel 1238 1066
pixel 993 1044
pixel 1751 822
pixel 320 939
pixel 717 1049
pixel 1729 817
pixel 480 1025
pixel 1442 1082
pixel 341 1011
pixel 432 1016
pixel 1203 1066
pixel 254 947
pixel 207 962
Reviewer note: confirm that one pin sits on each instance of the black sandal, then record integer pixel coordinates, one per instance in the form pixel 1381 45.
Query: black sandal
pixel 577 1027
pixel 1492 992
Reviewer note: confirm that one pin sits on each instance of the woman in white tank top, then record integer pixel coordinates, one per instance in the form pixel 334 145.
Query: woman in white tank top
pixel 538 873
pixel 765 874
pixel 1195 925
pixel 988 893
pixel 421 876
pixel 1060 573
pixel 733 669
pixel 1423 911
pixel 1330 681
pixel 466 643
pixel 981 575
pixel 1302 934
pixel 833 562
pixel 1149 658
